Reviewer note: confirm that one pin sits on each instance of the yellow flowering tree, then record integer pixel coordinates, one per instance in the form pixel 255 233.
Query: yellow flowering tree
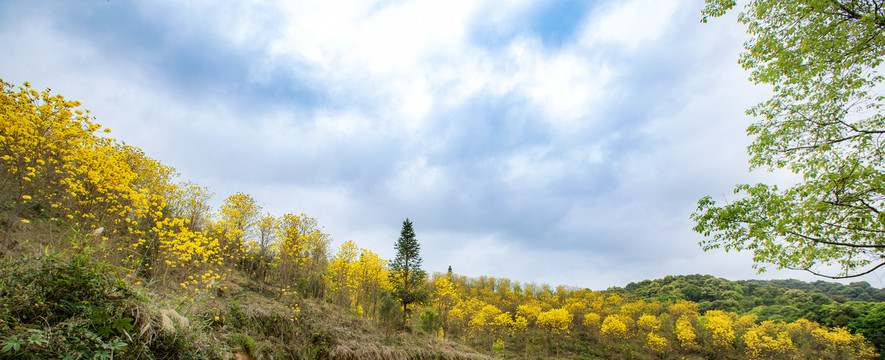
pixel 342 283
pixel 56 164
pixel 614 328
pixel 592 322
pixel 266 238
pixel 555 321
pixel 482 324
pixel 302 253
pixel 370 272
pixel 190 201
pixel 648 323
pixel 839 343
pixel 721 336
pixel 685 332
pixel 190 258
pixel 768 340
pixel 444 297
pixel 237 219
pixel 655 344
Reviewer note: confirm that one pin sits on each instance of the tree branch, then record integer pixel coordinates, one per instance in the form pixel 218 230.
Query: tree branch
pixel 840 277
pixel 854 228
pixel 834 243
pixel 854 15
pixel 865 132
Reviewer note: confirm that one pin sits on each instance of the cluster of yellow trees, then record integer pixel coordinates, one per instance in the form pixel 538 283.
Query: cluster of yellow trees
pixel 535 318
pixel 60 167
pixel 61 171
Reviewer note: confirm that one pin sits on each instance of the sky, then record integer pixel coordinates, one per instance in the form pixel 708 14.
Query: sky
pixel 563 142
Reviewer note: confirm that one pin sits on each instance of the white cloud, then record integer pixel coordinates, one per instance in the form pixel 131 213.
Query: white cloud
pixel 565 85
pixel 415 55
pixel 590 183
pixel 388 49
pixel 629 24
pixel 378 38
pixel 417 183
pixel 533 168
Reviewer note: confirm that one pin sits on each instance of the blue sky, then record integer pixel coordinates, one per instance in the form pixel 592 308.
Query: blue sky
pixel 563 142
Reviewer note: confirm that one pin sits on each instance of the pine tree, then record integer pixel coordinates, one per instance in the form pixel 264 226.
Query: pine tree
pixel 406 275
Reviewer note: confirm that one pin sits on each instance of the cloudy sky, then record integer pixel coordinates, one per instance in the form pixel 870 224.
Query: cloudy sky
pixel 549 141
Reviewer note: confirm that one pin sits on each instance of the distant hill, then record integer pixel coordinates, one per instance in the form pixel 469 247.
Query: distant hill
pixel 749 293
pixel 857 306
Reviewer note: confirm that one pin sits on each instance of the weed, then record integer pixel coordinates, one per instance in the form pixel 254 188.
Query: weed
pixel 53 307
pixel 246 342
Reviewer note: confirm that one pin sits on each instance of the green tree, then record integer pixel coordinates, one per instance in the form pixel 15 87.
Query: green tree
pixel 823 122
pixel 406 275
pixel 390 312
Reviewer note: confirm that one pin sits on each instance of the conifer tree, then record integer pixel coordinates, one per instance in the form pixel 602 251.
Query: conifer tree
pixel 406 275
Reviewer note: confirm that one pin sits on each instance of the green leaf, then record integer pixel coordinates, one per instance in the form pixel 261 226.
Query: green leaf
pixel 123 323
pixel 10 346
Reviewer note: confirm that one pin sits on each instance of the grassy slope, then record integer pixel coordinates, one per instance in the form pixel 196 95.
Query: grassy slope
pixel 52 296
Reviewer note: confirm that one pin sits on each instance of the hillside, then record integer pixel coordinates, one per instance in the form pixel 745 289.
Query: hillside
pixel 857 306
pixel 106 253
pixel 58 305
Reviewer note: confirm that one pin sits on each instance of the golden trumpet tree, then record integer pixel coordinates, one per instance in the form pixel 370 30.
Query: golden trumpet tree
pixel 190 201
pixel 302 253
pixel 555 321
pixel 54 161
pixel 370 272
pixel 444 297
pixel 768 340
pixel 341 281
pixel 237 218
pixel 56 164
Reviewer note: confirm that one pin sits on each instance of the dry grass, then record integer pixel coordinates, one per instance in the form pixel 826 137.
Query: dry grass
pixel 356 349
pixel 350 337
pixel 169 317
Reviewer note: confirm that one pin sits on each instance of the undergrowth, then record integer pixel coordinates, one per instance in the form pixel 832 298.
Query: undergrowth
pixel 71 306
pixel 75 308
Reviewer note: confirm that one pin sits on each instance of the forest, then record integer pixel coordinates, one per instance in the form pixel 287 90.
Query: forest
pixel 107 253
